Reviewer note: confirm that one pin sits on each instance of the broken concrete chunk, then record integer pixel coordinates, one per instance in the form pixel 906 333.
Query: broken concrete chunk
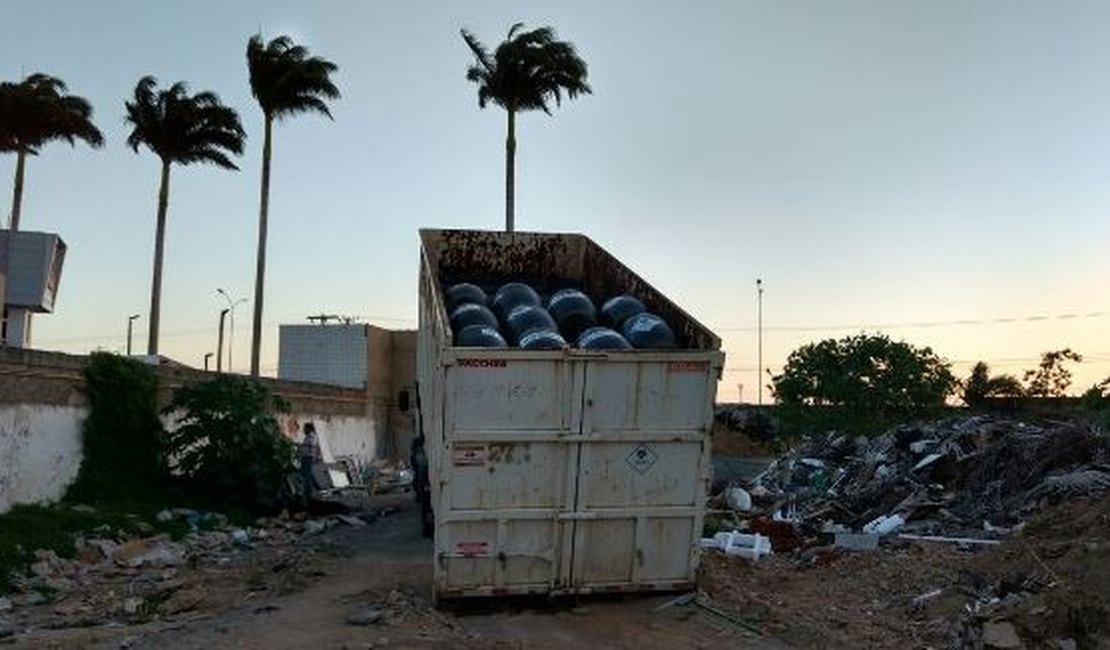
pixel 857 541
pixel 132 605
pixel 157 551
pixel 367 616
pixel 183 600
pixel 1001 635
pixel 738 499
pixel 314 526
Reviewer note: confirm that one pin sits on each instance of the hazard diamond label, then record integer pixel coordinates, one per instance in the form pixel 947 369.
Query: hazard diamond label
pixel 641 459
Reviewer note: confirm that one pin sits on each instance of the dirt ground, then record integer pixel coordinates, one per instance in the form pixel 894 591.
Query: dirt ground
pixel 303 597
pixel 1049 585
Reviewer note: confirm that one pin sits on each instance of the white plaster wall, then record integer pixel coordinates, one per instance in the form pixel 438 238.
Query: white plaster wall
pixel 40 447
pixel 340 435
pixel 40 452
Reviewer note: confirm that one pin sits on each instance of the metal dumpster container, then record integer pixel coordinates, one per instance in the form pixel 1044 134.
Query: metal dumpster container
pixel 567 471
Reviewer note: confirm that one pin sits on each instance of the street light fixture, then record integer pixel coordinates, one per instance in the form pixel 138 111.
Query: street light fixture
pixel 207 356
pixel 231 305
pixel 130 323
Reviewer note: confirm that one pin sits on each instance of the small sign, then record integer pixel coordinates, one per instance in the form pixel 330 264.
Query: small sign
pixel 469 456
pixel 641 459
pixel 483 363
pixel 688 366
pixel 472 549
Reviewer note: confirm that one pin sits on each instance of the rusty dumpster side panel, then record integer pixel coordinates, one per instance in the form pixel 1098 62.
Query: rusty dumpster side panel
pixel 561 472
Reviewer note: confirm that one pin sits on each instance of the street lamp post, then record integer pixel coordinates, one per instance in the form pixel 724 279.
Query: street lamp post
pixel 231 304
pixel 207 356
pixel 130 323
pixel 759 363
pixel 220 342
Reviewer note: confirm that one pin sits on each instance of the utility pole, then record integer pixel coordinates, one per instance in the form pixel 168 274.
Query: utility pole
pixel 220 342
pixel 759 381
pixel 130 323
pixel 207 356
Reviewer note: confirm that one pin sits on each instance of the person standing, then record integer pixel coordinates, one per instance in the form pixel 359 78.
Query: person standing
pixel 310 455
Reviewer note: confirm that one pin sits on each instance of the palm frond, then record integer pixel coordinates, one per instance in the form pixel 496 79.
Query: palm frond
pixel 183 128
pixel 286 80
pixel 527 71
pixel 479 50
pixel 37 110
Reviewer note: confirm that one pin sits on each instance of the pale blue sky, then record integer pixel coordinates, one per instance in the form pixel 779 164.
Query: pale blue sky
pixel 876 162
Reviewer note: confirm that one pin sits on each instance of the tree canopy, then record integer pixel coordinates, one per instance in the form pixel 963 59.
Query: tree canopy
pixel 183 128
pixel 38 110
pixel 1052 378
pixel 866 379
pixel 527 71
pixel 286 80
pixel 981 386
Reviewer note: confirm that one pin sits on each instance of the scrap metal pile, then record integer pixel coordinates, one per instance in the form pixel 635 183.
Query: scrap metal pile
pixel 969 477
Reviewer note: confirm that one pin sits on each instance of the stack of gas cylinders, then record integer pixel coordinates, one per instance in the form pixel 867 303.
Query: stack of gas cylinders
pixel 516 315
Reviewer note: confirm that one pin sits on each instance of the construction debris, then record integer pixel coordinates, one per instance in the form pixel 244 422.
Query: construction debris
pixel 751 547
pixel 968 532
pixel 974 477
pixel 114 579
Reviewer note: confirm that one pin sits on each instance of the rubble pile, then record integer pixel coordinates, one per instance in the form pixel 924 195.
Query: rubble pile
pixel 115 578
pixel 973 476
pixel 967 532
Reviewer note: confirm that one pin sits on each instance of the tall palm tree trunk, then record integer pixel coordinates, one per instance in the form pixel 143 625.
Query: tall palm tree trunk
pixel 260 268
pixel 159 251
pixel 17 192
pixel 510 170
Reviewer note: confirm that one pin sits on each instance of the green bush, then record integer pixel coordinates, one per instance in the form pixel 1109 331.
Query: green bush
pixel 122 454
pixel 860 383
pixel 227 446
pixel 981 386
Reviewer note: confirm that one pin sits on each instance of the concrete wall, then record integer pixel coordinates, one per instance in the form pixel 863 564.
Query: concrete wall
pixel 390 369
pixel 329 353
pixel 402 424
pixel 42 409
pixel 40 451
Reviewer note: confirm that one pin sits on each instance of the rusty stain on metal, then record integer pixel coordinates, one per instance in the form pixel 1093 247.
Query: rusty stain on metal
pixel 555 496
pixel 551 260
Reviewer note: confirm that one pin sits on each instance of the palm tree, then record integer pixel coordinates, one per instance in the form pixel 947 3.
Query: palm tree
pixel 184 129
pixel 286 81
pixel 34 112
pixel 527 71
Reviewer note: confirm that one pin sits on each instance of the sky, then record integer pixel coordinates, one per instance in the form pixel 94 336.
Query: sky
pixel 939 171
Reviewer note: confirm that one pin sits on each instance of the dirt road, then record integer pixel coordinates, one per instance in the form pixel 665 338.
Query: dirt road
pixel 386 566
